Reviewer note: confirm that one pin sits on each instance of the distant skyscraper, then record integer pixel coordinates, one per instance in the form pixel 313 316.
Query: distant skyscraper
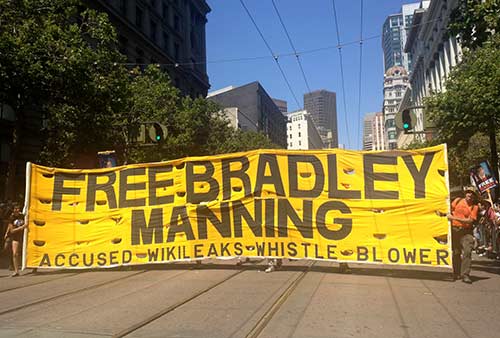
pixel 322 106
pixel 394 33
pixel 301 132
pixel 281 104
pixel 395 83
pixel 373 132
pixel 253 110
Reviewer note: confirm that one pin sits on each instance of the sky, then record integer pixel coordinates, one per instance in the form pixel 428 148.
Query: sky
pixel 237 54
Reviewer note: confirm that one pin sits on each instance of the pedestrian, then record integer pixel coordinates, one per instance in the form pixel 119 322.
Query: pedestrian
pixel 14 232
pixel 464 213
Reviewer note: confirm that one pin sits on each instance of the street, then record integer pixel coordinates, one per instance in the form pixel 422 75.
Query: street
pixel 221 299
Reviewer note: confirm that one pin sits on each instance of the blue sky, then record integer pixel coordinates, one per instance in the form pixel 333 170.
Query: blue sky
pixel 231 35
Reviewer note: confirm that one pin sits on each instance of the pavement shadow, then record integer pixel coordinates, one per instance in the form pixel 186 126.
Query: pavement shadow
pixel 490 266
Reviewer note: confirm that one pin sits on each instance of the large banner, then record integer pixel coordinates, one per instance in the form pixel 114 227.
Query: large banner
pixel 335 205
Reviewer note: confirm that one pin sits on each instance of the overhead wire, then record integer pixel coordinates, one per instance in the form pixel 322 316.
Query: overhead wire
pixel 339 48
pixel 272 53
pixel 360 69
pixel 293 47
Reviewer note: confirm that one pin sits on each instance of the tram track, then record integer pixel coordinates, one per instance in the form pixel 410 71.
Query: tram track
pixel 72 292
pixel 172 307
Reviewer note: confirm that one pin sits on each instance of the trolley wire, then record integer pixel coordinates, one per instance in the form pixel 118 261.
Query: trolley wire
pixel 272 53
pixel 293 47
pixel 339 48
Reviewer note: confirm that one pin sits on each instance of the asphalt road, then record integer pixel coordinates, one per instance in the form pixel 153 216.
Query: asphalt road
pixel 220 299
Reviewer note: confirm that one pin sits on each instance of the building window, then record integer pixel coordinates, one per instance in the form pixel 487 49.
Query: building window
pixel 122 44
pixel 177 23
pixel 138 17
pixel 123 7
pixel 152 30
pixel 299 134
pixel 176 51
pixel 164 12
pixel 166 43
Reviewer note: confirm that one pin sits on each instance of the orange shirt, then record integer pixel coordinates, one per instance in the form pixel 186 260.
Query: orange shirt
pixel 461 209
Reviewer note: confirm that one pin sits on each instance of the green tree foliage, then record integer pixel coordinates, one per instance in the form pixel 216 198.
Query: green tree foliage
pixel 61 60
pixel 475 21
pixel 470 105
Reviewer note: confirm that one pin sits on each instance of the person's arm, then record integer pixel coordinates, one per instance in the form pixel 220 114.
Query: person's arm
pixel 18 229
pixel 468 220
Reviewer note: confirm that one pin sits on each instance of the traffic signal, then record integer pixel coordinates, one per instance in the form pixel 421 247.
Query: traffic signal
pixel 151 133
pixel 156 132
pixel 407 120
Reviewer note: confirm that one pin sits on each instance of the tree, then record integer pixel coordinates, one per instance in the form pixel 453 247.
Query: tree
pixel 475 21
pixel 471 102
pixel 60 60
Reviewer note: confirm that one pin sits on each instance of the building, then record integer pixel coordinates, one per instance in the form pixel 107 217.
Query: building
pixel 322 106
pixel 282 105
pixel 435 52
pixel 395 84
pixel 394 35
pixel 171 33
pixel 302 132
pixel 256 111
pixel 373 132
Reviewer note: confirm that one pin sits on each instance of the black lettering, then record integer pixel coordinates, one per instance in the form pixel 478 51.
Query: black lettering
pixel 441 256
pixel 333 190
pixel 272 248
pixel 419 175
pixel 286 211
pixel 393 259
pixel 375 259
pixel 240 174
pixel 126 187
pixel 212 250
pixel 197 250
pixel 224 251
pixel 293 176
pixel 306 247
pixel 154 185
pixel 292 249
pixel 206 177
pixel 269 221
pixel 362 253
pixel 141 229
pixel 56 260
pixel 238 248
pixel 240 212
pixel 260 248
pixel 369 161
pixel 273 179
pixel 93 187
pixel 223 226
pixel 330 250
pixel 316 252
pixel 153 255
pixel 184 226
pixel 171 253
pixel 71 262
pixel 126 256
pixel 101 258
pixel 346 223
pixel 85 259
pixel 113 258
pixel 60 190
pixel 45 260
pixel 424 256
pixel 410 256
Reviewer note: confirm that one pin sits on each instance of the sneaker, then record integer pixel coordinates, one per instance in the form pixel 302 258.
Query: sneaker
pixel 15 274
pixel 466 279
pixel 270 269
pixel 344 268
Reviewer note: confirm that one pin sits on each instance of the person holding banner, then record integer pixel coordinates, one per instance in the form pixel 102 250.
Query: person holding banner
pixel 14 232
pixel 463 214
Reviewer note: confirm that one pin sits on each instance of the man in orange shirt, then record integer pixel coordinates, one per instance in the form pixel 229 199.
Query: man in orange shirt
pixel 463 215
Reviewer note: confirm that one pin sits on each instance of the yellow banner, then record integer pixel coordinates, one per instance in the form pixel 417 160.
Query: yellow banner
pixel 338 205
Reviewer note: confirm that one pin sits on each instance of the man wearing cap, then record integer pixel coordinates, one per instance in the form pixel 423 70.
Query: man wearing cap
pixel 463 215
